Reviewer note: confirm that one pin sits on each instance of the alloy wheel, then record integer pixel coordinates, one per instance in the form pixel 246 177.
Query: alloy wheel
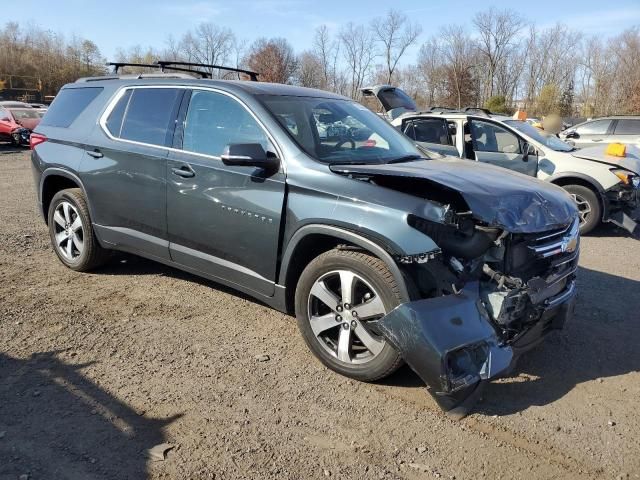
pixel 584 208
pixel 343 309
pixel 69 231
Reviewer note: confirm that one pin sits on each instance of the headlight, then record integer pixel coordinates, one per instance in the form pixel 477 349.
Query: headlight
pixel 627 177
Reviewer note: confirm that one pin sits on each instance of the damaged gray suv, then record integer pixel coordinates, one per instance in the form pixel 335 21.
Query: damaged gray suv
pixel 316 206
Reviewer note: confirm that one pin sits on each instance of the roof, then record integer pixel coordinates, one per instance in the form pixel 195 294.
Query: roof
pixel 253 88
pixel 10 104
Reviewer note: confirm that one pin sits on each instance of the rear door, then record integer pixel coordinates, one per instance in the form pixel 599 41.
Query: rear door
pixel 627 130
pixel 223 221
pixel 433 134
pixel 492 143
pixel 124 169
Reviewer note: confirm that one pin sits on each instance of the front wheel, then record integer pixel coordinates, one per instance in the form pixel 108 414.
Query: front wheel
pixel 588 205
pixel 339 299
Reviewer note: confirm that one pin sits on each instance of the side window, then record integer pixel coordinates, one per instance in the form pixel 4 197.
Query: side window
pixel 598 127
pixel 215 120
pixel 114 122
pixel 489 137
pixel 628 126
pixel 431 131
pixel 149 115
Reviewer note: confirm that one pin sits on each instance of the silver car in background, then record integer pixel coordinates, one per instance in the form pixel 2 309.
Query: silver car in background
pixel 621 129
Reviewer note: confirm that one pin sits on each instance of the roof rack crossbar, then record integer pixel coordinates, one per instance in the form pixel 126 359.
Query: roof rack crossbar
pixel 118 65
pixel 170 64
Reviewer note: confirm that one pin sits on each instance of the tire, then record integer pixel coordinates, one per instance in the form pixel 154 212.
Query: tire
pixel 588 206
pixel 15 140
pixel 67 208
pixel 374 293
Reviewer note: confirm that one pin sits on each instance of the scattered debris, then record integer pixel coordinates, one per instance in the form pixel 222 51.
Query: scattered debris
pixel 263 357
pixel 420 466
pixel 421 449
pixel 159 452
pixel 326 472
pixel 611 423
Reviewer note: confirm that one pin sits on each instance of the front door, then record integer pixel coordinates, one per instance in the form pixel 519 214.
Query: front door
pixel 494 144
pixel 223 221
pixel 124 169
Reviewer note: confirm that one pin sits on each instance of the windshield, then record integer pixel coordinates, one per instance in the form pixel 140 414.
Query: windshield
pixel 538 135
pixel 340 131
pixel 24 113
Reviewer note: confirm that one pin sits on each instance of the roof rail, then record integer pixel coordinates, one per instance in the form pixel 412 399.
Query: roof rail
pixel 485 111
pixel 163 64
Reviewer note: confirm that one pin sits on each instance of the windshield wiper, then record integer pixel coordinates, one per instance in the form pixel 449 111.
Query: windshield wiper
pixel 406 158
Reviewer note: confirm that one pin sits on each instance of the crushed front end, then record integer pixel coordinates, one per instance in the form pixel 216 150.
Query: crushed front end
pixel 485 298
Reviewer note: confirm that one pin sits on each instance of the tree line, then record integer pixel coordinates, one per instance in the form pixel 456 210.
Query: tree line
pixel 501 61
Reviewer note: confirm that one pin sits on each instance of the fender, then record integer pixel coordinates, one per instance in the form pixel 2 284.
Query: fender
pixel 348 236
pixel 61 172
pixel 590 180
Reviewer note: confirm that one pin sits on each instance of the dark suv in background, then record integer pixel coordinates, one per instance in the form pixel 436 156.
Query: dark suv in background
pixel 313 204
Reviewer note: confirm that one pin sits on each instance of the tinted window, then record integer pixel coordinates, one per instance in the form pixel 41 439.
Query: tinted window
pixel 395 98
pixel 431 131
pixel 68 105
pixel 489 137
pixel 114 122
pixel 215 120
pixel 150 112
pixel 599 127
pixel 628 127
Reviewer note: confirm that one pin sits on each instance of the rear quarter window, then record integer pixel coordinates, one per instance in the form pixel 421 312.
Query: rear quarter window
pixel 68 105
pixel 628 127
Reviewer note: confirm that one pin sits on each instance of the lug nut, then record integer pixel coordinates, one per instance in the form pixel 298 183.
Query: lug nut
pixel 339 308
pixel 345 325
pixel 367 296
pixel 353 324
pixel 347 306
pixel 338 318
pixel 354 314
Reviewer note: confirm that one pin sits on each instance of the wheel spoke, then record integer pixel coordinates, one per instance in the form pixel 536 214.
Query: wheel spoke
pixel 347 282
pixel 58 218
pixel 326 296
pixel 371 308
pixel 344 343
pixel 77 224
pixel 69 248
pixel 61 237
pixel 77 242
pixel 322 323
pixel 67 212
pixel 374 345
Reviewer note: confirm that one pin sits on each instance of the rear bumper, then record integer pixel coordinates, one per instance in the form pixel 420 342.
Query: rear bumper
pixel 451 343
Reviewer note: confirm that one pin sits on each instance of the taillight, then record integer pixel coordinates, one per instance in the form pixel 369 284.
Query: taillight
pixel 36 139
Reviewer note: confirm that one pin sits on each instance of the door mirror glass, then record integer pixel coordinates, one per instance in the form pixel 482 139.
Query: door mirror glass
pixel 249 155
pixel 528 149
pixel 572 134
pixel 5 119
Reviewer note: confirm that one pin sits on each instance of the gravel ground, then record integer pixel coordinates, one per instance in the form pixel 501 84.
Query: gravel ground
pixel 96 369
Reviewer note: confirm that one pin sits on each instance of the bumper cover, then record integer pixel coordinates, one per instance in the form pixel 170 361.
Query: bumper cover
pixel 622 209
pixel 452 345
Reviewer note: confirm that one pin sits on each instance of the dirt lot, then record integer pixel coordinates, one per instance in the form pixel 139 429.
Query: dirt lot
pixel 97 368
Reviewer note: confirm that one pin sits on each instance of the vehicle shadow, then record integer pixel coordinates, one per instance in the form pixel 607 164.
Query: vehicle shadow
pixel 56 423
pixel 7 148
pixel 601 341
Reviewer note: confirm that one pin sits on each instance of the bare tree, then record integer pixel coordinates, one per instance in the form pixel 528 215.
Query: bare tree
pixel 358 51
pixel 273 59
pixel 310 71
pixel 210 44
pixel 396 33
pixel 497 30
pixel 459 53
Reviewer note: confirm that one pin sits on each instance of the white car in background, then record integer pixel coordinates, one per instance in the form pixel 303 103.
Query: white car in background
pixel 605 188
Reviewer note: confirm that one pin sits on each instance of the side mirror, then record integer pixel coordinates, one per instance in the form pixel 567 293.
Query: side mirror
pixel 249 155
pixel 528 149
pixel 5 119
pixel 572 134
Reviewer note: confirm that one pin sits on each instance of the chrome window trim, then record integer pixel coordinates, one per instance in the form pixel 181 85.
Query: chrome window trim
pixel 120 93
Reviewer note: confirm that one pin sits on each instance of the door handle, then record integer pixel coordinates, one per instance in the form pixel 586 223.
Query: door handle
pixel 184 171
pixel 596 140
pixel 95 153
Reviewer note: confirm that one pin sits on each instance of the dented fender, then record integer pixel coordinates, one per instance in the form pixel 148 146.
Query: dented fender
pixel 450 343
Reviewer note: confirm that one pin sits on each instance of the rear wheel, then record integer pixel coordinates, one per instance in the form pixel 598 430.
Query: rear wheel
pixel 71 233
pixel 588 205
pixel 340 297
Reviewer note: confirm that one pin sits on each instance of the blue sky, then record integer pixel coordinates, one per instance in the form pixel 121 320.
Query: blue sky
pixel 123 23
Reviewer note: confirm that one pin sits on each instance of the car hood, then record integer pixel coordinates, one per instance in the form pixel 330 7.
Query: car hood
pixel 599 154
pixel 30 123
pixel 496 196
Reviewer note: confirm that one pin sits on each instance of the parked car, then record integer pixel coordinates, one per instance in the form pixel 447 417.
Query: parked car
pixel 604 188
pixel 619 129
pixel 17 120
pixel 384 254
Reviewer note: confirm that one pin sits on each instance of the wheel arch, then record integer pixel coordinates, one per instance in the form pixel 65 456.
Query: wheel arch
pixel 312 240
pixel 575 178
pixel 52 181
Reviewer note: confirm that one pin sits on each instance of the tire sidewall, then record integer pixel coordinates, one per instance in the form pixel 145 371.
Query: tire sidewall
pixel 380 365
pixel 596 211
pixel 66 196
